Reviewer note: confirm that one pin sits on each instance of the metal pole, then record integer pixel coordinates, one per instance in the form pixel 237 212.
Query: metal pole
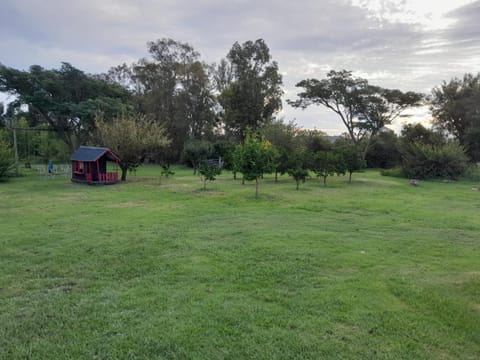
pixel 16 151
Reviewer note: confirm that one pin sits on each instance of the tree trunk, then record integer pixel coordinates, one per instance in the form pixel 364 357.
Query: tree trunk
pixel 350 177
pixel 124 169
pixel 205 184
pixel 276 176
pixel 324 181
pixel 256 188
pixel 298 184
pixel 234 175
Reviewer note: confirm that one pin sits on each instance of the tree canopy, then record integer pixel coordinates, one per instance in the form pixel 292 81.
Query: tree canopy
pixel 173 87
pixel 252 89
pixel 455 108
pixel 131 137
pixel 66 99
pixel 364 109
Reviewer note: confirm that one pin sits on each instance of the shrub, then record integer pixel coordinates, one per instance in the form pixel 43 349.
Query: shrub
pixel 393 172
pixel 195 152
pixel 429 161
pixel 472 173
pixel 6 159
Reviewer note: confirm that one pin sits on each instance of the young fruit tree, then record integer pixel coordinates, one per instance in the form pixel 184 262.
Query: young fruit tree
pixel 209 172
pixel 255 158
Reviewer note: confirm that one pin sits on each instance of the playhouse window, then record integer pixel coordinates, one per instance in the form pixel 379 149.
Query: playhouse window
pixel 79 167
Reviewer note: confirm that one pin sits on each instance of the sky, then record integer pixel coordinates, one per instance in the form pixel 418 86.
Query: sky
pixel 402 44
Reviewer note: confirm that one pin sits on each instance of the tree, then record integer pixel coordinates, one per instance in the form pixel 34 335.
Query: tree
pixel 254 159
pixel 364 109
pixel 296 165
pixel 380 107
pixel 283 136
pixel 350 159
pixel 66 99
pixel 209 172
pixel 6 159
pixel 384 151
pixel 195 152
pixel 455 108
pixel 327 163
pixel 251 93
pixel 131 137
pixel 173 86
pixel 417 133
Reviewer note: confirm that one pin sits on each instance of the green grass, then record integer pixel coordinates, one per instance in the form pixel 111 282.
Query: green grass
pixel 153 269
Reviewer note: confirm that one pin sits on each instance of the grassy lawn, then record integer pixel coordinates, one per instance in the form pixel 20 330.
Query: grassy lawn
pixel 153 269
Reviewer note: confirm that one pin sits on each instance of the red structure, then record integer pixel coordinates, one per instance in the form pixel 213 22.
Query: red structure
pixel 94 165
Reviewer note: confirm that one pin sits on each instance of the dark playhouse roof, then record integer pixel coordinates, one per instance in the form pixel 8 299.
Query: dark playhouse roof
pixel 92 153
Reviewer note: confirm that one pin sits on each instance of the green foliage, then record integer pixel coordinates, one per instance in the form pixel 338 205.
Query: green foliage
pixel 393 172
pixel 209 172
pixel 472 173
pixel 195 152
pixel 131 137
pixel 417 133
pixel 455 107
pixel 283 137
pixel 65 99
pixel 363 109
pixel 384 151
pixel 328 163
pixel 6 159
pixel 314 140
pixel 296 166
pixel 173 87
pixel 252 95
pixel 350 159
pixel 224 150
pixel 425 161
pixel 254 158
pixel 166 171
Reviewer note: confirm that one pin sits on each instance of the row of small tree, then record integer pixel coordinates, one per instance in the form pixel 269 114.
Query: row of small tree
pixel 311 154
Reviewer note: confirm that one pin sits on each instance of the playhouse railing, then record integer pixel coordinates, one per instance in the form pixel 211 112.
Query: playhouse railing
pixel 108 177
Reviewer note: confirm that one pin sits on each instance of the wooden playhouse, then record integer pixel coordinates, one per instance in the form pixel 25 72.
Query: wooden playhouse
pixel 94 165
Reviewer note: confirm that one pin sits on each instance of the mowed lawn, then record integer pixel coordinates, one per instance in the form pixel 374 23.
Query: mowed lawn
pixel 160 269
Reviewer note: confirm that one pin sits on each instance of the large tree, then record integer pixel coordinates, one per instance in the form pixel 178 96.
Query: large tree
pixel 173 86
pixel 455 108
pixel 251 88
pixel 364 109
pixel 66 99
pixel 131 137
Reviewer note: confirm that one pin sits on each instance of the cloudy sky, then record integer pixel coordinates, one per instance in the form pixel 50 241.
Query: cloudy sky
pixel 404 44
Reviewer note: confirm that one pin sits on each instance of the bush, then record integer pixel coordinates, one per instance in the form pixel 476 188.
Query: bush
pixel 384 151
pixel 195 152
pixel 428 161
pixel 393 172
pixel 6 159
pixel 472 173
